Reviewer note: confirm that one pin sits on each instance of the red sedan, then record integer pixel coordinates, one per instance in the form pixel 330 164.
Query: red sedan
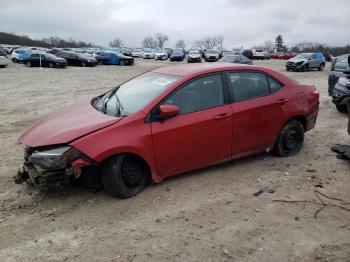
pixel 170 121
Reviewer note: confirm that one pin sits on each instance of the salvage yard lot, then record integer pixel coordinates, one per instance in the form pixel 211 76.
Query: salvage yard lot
pixel 206 215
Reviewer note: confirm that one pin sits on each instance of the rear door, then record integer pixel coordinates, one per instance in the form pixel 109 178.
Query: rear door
pixel 201 134
pixel 258 111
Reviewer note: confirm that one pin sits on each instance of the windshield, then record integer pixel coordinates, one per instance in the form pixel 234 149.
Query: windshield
pixel 50 56
pixel 211 51
pixel 303 56
pixel 341 64
pixel 133 95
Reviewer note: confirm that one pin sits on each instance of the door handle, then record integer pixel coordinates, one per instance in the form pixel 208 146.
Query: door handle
pixel 222 116
pixel 281 101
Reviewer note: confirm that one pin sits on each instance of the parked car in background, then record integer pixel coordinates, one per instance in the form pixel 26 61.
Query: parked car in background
pixel 211 55
pixel 287 56
pixel 3 52
pixel 126 51
pixel 74 59
pixel 236 59
pixel 306 61
pixel 44 60
pixel 338 67
pixel 247 52
pixel 112 58
pixel 3 61
pixel 328 57
pixel 18 55
pixel 275 55
pixel 137 53
pixel 178 55
pixel 259 54
pixel 341 90
pixel 148 54
pixel 53 51
pixel 164 122
pixel 194 56
pixel 161 54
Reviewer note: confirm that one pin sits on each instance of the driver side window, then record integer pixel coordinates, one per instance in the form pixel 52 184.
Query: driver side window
pixel 199 94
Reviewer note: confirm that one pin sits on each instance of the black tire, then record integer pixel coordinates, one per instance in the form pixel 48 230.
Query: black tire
pixel 321 67
pixel 341 108
pixel 51 65
pixel 290 139
pixel 122 62
pixel 83 64
pixel 125 176
pixel 304 68
pixel 29 64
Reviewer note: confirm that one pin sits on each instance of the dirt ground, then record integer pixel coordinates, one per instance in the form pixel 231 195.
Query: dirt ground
pixel 206 215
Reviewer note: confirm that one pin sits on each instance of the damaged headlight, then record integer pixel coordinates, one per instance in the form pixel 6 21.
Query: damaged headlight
pixel 54 158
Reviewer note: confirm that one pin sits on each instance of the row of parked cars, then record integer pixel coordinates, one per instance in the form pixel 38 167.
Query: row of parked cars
pixel 66 57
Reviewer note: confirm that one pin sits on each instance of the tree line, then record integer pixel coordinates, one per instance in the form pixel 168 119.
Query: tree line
pixel 54 41
pixel 159 40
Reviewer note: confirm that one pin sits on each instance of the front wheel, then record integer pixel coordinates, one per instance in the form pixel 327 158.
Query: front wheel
pixel 51 65
pixel 125 176
pixel 122 62
pixel 29 64
pixel 290 139
pixel 83 64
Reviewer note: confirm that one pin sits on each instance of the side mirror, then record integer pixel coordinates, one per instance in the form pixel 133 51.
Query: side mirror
pixel 167 111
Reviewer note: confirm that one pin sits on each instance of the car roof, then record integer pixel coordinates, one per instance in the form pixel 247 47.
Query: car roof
pixel 190 69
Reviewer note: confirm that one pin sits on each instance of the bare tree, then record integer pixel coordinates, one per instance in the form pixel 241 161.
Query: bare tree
pixel 220 42
pixel 209 42
pixel 117 42
pixel 161 39
pixel 268 46
pixel 180 44
pixel 149 42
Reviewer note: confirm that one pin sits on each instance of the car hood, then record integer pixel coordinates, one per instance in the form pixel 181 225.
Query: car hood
pixel 297 60
pixel 65 125
pixel 194 56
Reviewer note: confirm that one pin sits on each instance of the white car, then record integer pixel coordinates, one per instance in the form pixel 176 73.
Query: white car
pixel 3 61
pixel 148 54
pixel 161 55
pixel 137 53
pixel 259 54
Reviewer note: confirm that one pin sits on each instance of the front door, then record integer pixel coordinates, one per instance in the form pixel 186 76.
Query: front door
pixel 201 134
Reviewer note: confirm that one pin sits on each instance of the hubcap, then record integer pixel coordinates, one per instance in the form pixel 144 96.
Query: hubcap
pixel 131 173
pixel 291 140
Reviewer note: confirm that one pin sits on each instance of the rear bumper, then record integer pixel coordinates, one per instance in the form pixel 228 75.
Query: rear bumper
pixel 311 119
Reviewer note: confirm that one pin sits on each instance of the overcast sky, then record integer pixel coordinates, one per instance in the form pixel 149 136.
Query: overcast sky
pixel 241 22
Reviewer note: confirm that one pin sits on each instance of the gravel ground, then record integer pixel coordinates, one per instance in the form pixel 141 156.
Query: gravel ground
pixel 206 215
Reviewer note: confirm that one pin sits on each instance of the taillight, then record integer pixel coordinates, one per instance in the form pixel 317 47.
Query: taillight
pixel 315 93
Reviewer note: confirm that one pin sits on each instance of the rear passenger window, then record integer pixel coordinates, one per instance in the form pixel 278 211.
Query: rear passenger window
pixel 274 85
pixel 248 85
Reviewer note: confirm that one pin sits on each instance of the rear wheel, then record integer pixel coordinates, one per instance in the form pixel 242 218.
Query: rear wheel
pixel 341 108
pixel 125 176
pixel 51 65
pixel 29 64
pixel 83 64
pixel 290 139
pixel 321 67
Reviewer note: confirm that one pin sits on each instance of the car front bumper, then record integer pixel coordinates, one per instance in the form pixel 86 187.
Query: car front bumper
pixel 293 66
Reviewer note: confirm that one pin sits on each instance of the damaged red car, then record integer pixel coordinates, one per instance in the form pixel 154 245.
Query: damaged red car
pixel 169 121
